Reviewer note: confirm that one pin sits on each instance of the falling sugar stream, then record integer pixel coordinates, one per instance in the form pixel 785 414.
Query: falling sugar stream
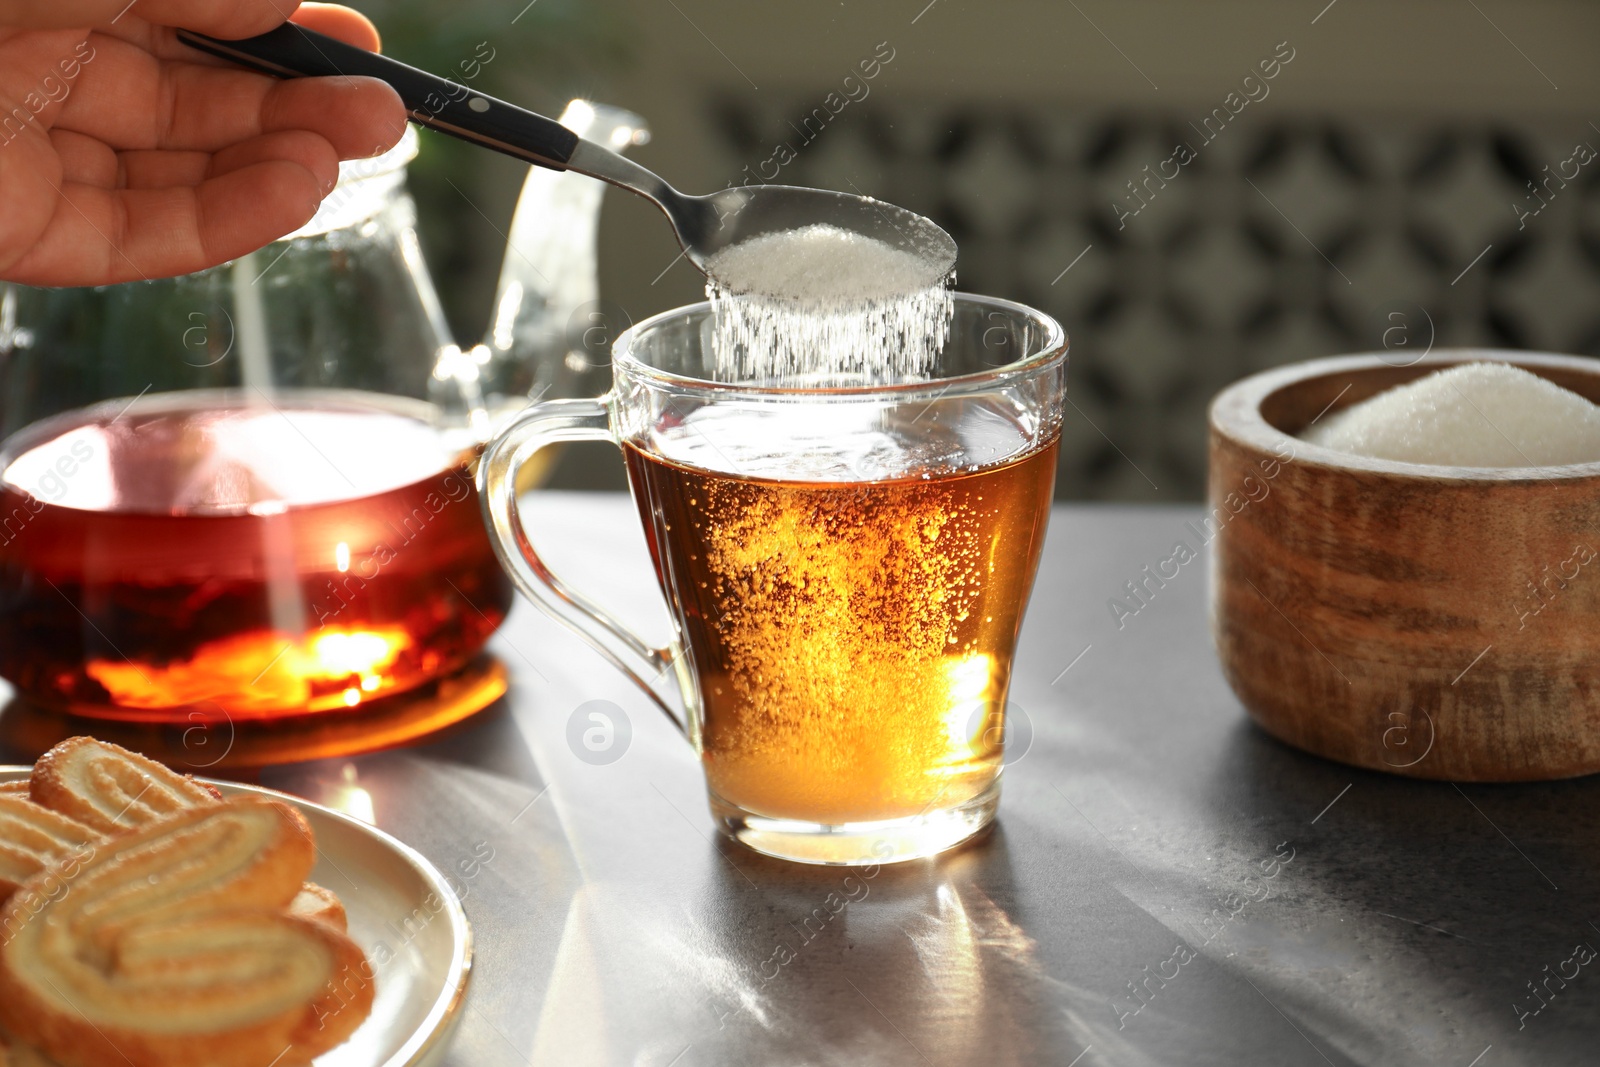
pixel 823 306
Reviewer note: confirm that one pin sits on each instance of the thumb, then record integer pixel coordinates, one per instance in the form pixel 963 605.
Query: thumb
pixel 336 20
pixel 221 18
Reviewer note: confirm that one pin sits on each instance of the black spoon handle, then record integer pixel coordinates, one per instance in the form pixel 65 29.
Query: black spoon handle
pixel 291 51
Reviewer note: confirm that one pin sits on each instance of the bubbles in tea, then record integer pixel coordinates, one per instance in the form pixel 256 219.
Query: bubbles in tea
pixel 852 633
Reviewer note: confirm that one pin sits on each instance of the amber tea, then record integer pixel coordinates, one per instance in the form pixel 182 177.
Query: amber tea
pixel 852 641
pixel 247 556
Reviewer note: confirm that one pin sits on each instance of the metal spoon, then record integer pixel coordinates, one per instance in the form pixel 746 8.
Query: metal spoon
pixel 704 224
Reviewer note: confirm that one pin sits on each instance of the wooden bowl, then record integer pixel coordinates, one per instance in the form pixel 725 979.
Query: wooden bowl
pixel 1433 621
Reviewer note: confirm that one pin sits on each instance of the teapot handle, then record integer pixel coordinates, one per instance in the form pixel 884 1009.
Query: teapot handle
pixel 292 51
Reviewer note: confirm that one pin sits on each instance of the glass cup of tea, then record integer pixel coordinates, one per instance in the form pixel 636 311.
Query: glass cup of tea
pixel 846 568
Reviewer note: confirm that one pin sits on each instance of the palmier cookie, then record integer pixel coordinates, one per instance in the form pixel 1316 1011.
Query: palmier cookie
pixel 23 1056
pixel 109 788
pixel 171 946
pixel 32 838
pixel 114 789
pixel 320 905
pixel 19 788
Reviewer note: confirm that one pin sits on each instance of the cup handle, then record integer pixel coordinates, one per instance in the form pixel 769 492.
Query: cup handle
pixel 540 426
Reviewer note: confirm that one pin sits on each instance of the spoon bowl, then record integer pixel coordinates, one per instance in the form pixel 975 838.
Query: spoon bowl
pixel 735 215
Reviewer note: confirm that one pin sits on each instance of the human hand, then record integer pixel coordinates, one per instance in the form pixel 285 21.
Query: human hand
pixel 126 155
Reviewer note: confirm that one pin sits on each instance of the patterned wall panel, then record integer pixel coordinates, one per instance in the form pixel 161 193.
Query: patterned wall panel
pixel 1283 238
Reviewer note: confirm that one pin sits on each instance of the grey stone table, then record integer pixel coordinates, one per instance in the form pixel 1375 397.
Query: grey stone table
pixel 1166 884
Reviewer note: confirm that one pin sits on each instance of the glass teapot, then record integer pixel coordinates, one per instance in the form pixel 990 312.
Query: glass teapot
pixel 248 492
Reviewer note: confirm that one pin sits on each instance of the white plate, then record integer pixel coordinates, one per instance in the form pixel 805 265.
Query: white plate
pixel 406 919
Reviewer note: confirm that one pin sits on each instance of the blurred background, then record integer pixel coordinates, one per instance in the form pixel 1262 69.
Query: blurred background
pixel 1412 174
